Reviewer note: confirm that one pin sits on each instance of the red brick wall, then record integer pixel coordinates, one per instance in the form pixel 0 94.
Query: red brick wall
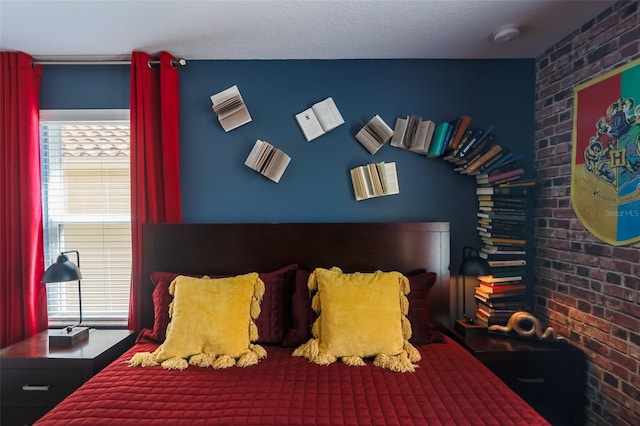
pixel 587 290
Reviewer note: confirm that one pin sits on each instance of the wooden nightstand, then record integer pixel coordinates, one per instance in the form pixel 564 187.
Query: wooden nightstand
pixel 550 376
pixel 35 377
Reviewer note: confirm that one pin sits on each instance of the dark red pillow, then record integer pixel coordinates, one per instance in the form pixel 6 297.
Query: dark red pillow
pixel 275 315
pixel 302 316
pixel 419 316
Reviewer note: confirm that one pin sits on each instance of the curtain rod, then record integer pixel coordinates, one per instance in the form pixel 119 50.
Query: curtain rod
pixel 178 62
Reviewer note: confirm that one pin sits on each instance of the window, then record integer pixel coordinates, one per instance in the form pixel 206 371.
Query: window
pixel 86 206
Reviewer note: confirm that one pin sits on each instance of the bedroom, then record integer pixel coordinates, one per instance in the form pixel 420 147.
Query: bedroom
pixel 596 304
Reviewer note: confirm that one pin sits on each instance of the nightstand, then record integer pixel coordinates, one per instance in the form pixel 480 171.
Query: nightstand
pixel 550 376
pixel 35 377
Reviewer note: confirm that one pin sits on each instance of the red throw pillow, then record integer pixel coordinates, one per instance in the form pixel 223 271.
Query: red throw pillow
pixel 419 315
pixel 302 316
pixel 275 316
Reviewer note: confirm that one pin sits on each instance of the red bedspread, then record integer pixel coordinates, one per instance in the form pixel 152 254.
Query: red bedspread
pixel 450 387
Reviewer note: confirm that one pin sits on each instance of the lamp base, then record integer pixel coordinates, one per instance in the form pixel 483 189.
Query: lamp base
pixel 64 338
pixel 466 329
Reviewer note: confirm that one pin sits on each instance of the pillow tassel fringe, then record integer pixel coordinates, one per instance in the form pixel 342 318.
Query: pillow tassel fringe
pixel 315 328
pixel 312 284
pixel 324 358
pixel 253 331
pixel 404 304
pixel 315 303
pixel 143 359
pixel 308 350
pixel 259 351
pixel 224 361
pixel 258 289
pixel 404 285
pixel 175 363
pixel 414 354
pixel 407 332
pixel 353 360
pixel 202 360
pixel 248 359
pixel 255 308
pixel 399 363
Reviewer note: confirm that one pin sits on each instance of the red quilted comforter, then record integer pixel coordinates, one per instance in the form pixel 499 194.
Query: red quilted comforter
pixel 450 388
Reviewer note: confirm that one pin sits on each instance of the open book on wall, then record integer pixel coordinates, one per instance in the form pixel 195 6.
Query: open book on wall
pixel 231 109
pixel 413 133
pixel 321 118
pixel 374 180
pixel 267 160
pixel 374 134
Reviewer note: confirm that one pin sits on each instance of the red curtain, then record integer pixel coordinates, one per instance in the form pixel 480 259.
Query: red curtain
pixel 155 160
pixel 23 299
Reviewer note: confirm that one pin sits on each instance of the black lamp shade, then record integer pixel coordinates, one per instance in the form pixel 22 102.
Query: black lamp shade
pixel 61 271
pixel 474 266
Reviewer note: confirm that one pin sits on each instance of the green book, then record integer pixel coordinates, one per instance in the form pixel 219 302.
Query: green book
pixel 437 143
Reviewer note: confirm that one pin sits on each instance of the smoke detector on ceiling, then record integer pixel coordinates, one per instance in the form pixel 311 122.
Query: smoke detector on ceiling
pixel 505 33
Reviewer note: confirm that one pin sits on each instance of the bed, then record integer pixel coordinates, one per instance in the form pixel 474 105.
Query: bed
pixel 446 384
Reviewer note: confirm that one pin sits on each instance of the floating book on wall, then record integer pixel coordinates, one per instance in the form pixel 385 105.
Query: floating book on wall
pixel 413 133
pixel 230 107
pixel 374 134
pixel 374 180
pixel 267 160
pixel 321 118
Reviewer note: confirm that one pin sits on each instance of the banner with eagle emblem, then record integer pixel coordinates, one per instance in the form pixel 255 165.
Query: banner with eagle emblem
pixel 605 166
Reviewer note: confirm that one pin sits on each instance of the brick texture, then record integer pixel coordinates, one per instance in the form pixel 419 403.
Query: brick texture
pixel 588 290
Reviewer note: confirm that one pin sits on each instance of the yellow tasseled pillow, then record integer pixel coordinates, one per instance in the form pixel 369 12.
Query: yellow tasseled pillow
pixel 360 315
pixel 212 324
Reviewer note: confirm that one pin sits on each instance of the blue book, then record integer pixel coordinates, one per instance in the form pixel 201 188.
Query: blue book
pixel 509 159
pixel 437 143
pixel 479 136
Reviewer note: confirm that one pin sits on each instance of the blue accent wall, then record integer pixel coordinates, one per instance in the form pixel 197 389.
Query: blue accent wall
pixel 316 187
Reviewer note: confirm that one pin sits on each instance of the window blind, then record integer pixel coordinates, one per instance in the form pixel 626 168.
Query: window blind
pixel 86 207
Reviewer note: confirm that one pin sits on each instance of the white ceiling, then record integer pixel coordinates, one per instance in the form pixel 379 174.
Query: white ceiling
pixel 270 29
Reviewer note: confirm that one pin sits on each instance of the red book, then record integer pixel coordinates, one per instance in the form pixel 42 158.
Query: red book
pixel 502 288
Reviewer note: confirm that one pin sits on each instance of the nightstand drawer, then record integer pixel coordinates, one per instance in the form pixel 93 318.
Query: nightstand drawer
pixel 39 386
pixel 539 381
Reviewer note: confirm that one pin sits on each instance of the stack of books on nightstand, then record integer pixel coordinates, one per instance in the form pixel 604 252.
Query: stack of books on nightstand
pixel 498 298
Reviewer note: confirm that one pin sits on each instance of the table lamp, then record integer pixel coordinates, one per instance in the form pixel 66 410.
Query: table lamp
pixel 472 265
pixel 64 270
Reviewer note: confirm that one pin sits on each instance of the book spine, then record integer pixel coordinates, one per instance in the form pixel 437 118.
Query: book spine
pixel 493 151
pixel 439 134
pixel 465 122
pixel 505 175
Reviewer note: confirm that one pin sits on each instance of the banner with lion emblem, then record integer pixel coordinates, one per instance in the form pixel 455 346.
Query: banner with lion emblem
pixel 605 167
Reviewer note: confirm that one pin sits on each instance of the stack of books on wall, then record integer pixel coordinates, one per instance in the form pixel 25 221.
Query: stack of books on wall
pixel 503 196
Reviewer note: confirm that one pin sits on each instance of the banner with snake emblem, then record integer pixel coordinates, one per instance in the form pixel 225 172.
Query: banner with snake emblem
pixel 605 166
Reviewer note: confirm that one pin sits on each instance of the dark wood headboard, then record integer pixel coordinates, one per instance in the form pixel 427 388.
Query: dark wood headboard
pixel 239 248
